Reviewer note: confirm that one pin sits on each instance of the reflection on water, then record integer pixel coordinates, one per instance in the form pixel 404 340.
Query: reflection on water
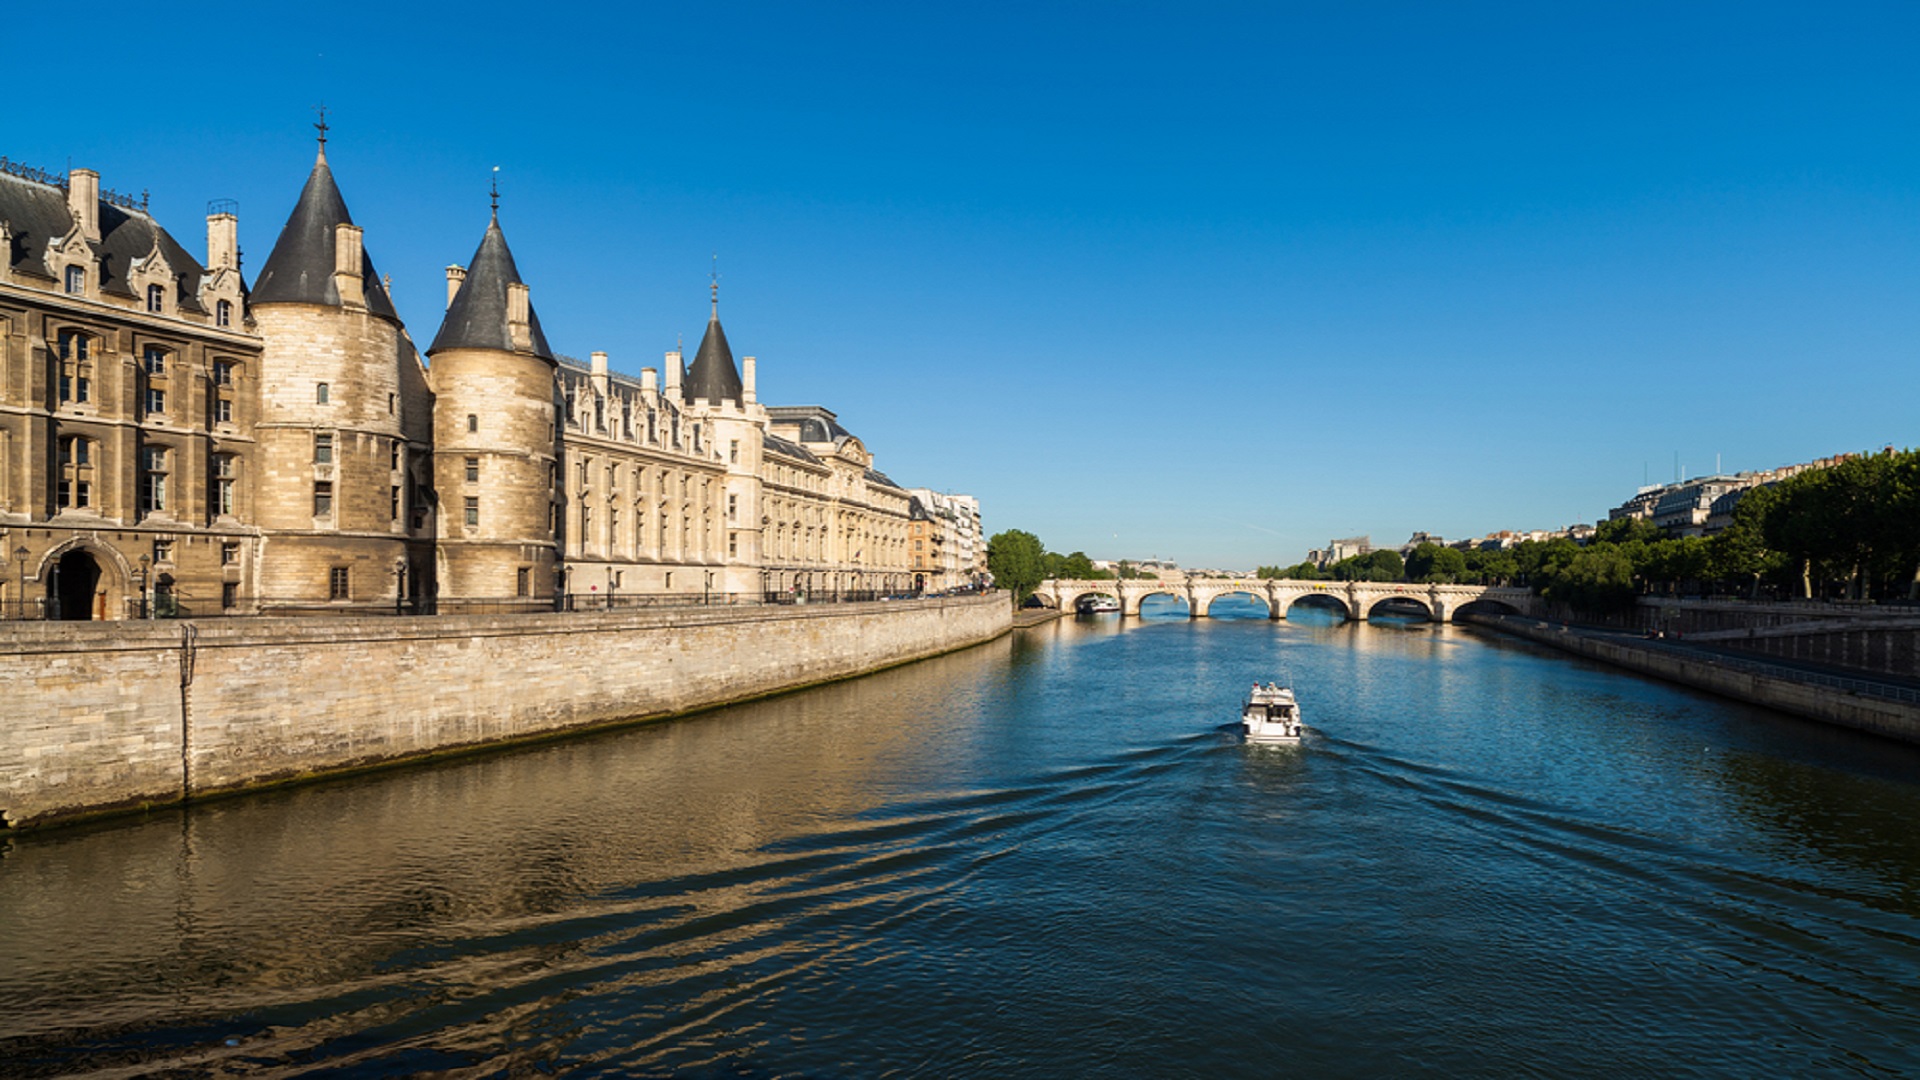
pixel 1046 856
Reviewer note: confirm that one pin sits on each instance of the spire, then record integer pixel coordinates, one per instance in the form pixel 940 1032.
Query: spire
pixel 300 269
pixel 478 317
pixel 496 193
pixel 321 127
pixel 713 375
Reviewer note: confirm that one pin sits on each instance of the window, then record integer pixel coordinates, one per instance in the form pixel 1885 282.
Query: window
pixel 222 411
pixel 223 313
pixel 76 280
pixel 394 499
pixel 320 394
pixel 523 581
pixel 323 449
pixel 733 508
pixel 75 451
pixel 323 498
pixel 153 480
pixel 473 423
pixel 74 486
pixel 74 368
pixel 599 414
pixel 473 511
pixel 153 359
pixel 163 551
pixel 229 554
pixel 229 591
pixel 339 584
pixel 156 298
pixel 733 451
pixel 223 487
pixel 733 544
pixel 473 470
pixel 393 456
pixel 390 405
pixel 223 373
pixel 156 401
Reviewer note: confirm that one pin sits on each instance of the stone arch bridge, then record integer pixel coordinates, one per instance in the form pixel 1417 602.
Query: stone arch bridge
pixel 1355 599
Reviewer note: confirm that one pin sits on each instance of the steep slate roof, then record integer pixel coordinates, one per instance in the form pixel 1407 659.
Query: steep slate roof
pixel 713 375
pixel 300 270
pixel 477 318
pixel 875 476
pixel 37 215
pixel 817 424
pixel 788 449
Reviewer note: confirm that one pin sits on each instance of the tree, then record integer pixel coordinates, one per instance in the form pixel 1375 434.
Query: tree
pixel 1017 561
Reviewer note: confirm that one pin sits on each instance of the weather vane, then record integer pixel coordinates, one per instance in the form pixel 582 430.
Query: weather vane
pixel 322 125
pixel 496 189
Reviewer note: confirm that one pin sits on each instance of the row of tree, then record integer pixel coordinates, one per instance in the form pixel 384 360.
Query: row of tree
pixel 1851 531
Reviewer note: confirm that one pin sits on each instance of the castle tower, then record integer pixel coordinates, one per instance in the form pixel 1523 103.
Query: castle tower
pixel 344 414
pixel 495 447
pixel 736 424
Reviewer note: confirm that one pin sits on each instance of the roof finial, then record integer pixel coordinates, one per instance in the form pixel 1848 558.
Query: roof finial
pixel 321 127
pixel 496 192
pixel 716 284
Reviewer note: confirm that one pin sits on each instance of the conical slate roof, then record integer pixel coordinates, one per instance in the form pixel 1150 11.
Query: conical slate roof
pixel 713 375
pixel 300 270
pixel 477 318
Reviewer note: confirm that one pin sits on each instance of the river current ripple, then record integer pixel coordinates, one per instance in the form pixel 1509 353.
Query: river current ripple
pixel 1048 856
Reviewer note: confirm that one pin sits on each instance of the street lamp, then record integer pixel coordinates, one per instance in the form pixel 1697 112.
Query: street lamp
pixel 140 580
pixel 706 591
pixel 613 587
pixel 21 554
pixel 399 583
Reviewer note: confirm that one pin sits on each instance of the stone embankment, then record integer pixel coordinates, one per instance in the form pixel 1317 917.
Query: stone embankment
pixel 104 717
pixel 1889 707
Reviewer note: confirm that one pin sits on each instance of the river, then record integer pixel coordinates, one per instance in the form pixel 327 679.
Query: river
pixel 1044 857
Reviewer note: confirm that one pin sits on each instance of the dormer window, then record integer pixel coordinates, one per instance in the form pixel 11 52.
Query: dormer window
pixel 223 313
pixel 76 280
pixel 320 395
pixel 156 298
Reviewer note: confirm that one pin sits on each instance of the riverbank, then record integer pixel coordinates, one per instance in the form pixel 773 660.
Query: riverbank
pixel 1882 708
pixel 106 718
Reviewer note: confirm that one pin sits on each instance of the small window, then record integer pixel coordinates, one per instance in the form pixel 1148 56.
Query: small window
pixel 323 498
pixel 391 405
pixel 473 470
pixel 393 456
pixel 323 449
pixel 223 313
pixel 320 395
pixel 76 280
pixel 156 298
pixel 163 551
pixel 473 422
pixel 733 451
pixel 523 581
pixel 153 481
pixel 733 544
pixel 339 584
pixel 394 499
pixel 473 510
pixel 733 508
pixel 223 373
pixel 229 594
pixel 156 401
pixel 222 411
pixel 229 554
pixel 153 360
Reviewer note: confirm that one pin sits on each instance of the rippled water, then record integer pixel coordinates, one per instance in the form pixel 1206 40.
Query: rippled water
pixel 1044 857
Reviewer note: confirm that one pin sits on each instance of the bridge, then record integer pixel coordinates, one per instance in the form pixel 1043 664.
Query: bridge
pixel 1357 600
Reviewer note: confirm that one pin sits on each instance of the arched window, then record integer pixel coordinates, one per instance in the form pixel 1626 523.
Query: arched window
pixel 320 394
pixel 473 422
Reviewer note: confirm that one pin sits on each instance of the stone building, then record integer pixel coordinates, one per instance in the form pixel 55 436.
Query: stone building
pixel 944 531
pixel 173 442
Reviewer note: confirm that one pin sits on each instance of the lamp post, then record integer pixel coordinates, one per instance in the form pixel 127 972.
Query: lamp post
pixel 613 587
pixel 21 554
pixel 706 591
pixel 399 583
pixel 140 580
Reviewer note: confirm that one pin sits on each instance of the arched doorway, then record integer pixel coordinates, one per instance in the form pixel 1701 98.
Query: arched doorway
pixel 75 581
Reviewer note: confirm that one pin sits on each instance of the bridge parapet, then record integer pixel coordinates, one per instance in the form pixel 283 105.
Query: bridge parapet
pixel 1356 599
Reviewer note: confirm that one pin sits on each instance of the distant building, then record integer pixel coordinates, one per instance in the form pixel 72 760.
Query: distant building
pixel 1338 550
pixel 1704 505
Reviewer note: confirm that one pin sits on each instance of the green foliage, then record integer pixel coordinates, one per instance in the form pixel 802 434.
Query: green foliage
pixel 1433 563
pixel 1017 561
pixel 1382 565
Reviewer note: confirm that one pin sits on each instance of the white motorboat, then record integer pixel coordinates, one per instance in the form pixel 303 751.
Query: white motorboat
pixel 1271 715
pixel 1097 605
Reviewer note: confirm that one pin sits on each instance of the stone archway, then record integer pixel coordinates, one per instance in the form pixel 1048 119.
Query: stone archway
pixel 73 588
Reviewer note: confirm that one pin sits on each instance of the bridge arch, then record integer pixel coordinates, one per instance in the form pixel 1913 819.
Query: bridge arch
pixel 1136 604
pixel 1486 605
pixel 1402 605
pixel 1207 601
pixel 1070 599
pixel 1317 600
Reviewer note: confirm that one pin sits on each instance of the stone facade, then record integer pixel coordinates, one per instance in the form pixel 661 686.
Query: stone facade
pixel 290 450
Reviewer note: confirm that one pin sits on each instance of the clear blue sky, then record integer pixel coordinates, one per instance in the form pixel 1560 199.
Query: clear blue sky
pixel 1208 282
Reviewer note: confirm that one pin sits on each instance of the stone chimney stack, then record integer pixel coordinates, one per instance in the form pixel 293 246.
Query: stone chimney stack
pixel 649 380
pixel 83 202
pixel 747 395
pixel 597 376
pixel 347 259
pixel 673 374
pixel 519 305
pixel 455 275
pixel 223 242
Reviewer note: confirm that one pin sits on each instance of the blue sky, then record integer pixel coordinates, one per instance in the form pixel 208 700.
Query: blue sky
pixel 1208 282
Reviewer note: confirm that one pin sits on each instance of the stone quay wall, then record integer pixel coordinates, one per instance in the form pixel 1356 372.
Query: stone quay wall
pixel 1813 701
pixel 98 718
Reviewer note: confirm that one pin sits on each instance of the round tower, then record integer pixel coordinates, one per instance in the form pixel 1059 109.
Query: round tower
pixel 330 465
pixel 495 443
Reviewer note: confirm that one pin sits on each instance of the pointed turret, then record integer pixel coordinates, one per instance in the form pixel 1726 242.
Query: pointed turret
pixel 490 310
pixel 304 268
pixel 713 376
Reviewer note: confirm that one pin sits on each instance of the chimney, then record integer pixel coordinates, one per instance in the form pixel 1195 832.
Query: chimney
pixel 673 374
pixel 649 381
pixel 519 303
pixel 747 396
pixel 599 364
pixel 83 202
pixel 347 260
pixel 598 375
pixel 223 242
pixel 455 276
